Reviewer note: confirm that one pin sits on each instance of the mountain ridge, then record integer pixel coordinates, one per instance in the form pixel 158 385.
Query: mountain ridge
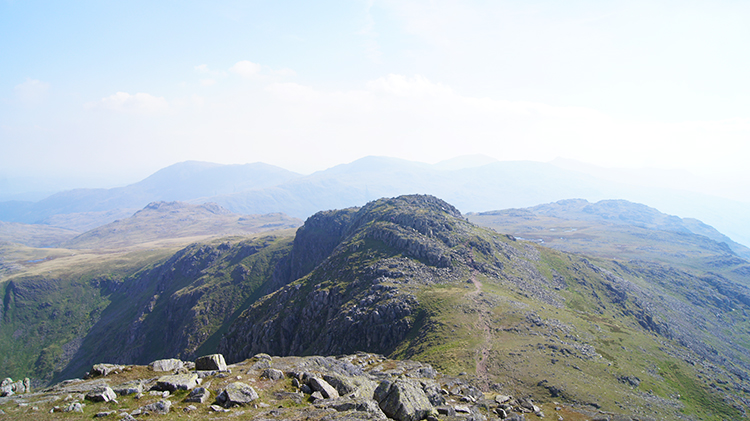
pixel 470 187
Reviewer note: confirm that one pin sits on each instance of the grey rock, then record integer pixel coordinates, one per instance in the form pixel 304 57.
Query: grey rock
pixel 126 417
pixel 74 407
pixel 202 374
pixel 161 407
pixel 359 386
pixel 177 382
pixel 217 408
pixel 129 388
pixel 502 398
pixel 101 394
pixel 170 364
pixel 273 374
pixel 189 408
pixel 631 380
pixel 368 406
pixel 6 390
pixel 237 394
pixel 403 400
pixel 104 369
pixel 104 414
pixel 316 396
pixel 8 387
pixel 462 409
pixel 322 386
pixel 446 410
pixel 211 362
pixel 263 356
pixel 199 394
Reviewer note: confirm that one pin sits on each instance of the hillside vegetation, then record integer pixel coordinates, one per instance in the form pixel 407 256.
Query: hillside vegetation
pixel 411 278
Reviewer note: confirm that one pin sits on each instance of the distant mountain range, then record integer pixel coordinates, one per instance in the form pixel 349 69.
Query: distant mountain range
pixel 472 184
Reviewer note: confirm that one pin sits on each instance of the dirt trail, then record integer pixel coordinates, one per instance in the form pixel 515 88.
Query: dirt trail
pixel 483 353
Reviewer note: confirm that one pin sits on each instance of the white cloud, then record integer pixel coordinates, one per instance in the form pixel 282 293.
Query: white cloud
pixel 203 69
pixel 208 82
pixel 246 69
pixel 140 103
pixel 32 91
pixel 403 86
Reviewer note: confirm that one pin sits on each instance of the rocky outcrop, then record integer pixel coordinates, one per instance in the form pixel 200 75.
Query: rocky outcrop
pixel 347 387
pixel 344 305
pixel 8 387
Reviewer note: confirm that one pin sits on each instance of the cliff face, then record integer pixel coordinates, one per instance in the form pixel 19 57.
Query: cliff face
pixel 362 294
pixel 181 305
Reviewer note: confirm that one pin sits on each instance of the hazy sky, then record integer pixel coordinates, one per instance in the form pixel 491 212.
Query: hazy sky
pixel 115 90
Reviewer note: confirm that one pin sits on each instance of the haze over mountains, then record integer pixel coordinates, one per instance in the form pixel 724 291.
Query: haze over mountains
pixel 472 184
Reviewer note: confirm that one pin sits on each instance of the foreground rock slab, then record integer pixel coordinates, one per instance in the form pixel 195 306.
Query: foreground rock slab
pixel 177 382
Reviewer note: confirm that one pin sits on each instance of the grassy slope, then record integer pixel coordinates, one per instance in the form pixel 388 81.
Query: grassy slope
pixel 624 336
pixel 582 352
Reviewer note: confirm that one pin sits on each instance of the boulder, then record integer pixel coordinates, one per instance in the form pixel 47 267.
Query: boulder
pixel 273 374
pixel 160 408
pixel 174 382
pixel 6 390
pixel 104 369
pixel 199 394
pixel 403 400
pixel 237 393
pixel 170 364
pixel 211 362
pixel 360 386
pixel 322 386
pixel 74 407
pixel 101 394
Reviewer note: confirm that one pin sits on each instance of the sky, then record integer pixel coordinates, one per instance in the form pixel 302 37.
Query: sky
pixel 104 93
